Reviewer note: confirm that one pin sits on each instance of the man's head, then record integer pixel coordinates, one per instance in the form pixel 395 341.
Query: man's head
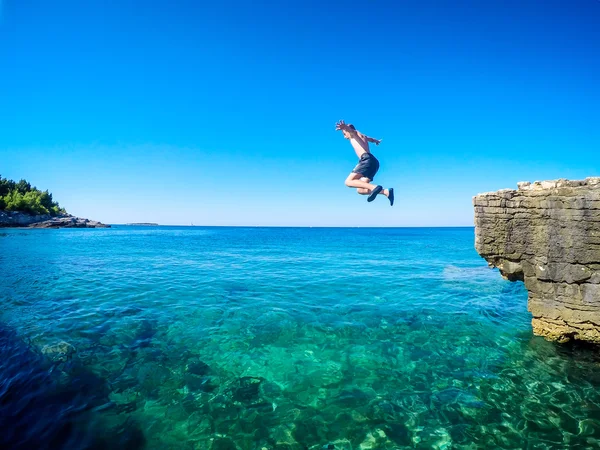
pixel 348 134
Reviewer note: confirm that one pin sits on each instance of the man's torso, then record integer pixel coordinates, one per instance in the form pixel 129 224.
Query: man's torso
pixel 360 144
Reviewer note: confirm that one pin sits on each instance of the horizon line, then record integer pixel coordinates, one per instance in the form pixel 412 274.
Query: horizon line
pixel 142 224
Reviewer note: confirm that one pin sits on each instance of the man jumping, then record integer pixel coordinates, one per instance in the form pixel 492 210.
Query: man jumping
pixel 367 167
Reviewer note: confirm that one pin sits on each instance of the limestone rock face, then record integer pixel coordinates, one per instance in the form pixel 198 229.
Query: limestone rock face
pixel 547 234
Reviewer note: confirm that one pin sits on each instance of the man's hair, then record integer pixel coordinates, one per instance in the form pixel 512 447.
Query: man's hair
pixel 351 127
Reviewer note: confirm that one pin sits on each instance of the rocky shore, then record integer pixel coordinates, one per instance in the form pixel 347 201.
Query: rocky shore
pixel 547 234
pixel 10 219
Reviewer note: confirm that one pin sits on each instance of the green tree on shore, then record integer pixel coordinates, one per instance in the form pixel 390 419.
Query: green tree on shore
pixel 23 197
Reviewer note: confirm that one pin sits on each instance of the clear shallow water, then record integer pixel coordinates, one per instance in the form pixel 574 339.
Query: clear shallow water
pixel 251 338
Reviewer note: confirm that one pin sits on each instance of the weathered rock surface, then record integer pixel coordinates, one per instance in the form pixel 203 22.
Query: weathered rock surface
pixel 20 219
pixel 547 234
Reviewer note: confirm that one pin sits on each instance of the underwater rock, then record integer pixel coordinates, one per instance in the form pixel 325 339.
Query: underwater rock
pixel 197 376
pixel 547 234
pixel 437 437
pixel 223 444
pixel 353 398
pixel 339 423
pixel 197 367
pixel 124 400
pixel 338 444
pixel 199 384
pixel 283 438
pixel 144 334
pixel 248 389
pixel 62 351
pixel 270 390
pixel 273 327
pixel 326 374
pixel 124 383
pixel 456 396
pixel 382 410
pixel 151 377
pixel 377 439
pixel 224 411
pixel 198 424
pixel 194 402
pixel 308 429
pixel 288 411
pixel 398 433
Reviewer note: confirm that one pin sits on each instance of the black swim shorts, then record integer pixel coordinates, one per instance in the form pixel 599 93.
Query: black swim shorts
pixel 367 166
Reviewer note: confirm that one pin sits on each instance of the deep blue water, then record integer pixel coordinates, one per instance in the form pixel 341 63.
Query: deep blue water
pixel 277 338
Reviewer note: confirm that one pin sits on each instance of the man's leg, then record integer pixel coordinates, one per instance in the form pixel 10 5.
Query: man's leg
pixel 354 181
pixel 364 191
pixel 364 187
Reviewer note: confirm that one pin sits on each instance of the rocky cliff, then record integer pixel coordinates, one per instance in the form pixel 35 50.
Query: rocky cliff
pixel 19 219
pixel 547 234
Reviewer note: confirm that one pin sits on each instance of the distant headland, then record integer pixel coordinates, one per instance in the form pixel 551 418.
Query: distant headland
pixel 142 224
pixel 23 205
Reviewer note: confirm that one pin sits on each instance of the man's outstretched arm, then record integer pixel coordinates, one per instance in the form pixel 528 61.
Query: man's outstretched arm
pixel 341 125
pixel 373 140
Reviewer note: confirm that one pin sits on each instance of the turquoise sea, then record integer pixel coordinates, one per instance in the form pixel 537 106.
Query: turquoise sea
pixel 277 338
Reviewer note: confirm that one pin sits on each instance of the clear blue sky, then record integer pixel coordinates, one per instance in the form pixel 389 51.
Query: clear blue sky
pixel 223 113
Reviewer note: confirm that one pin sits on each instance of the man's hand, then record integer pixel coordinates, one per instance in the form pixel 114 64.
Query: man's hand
pixel 340 126
pixel 373 140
